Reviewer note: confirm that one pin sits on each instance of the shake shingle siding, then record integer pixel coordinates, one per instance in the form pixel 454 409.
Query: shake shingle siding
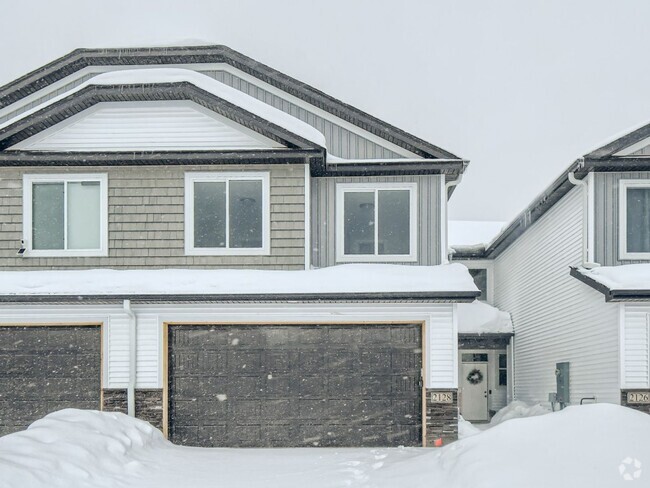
pixel 146 219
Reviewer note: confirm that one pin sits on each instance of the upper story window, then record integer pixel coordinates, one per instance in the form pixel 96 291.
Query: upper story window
pixel 65 215
pixel 227 213
pixel 634 225
pixel 376 222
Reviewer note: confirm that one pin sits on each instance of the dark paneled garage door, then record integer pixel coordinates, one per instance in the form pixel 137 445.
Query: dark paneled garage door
pixel 294 385
pixel 43 369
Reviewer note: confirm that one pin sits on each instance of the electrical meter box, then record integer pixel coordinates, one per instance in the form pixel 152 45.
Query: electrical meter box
pixel 563 395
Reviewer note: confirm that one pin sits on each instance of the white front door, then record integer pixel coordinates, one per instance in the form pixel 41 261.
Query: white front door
pixel 474 391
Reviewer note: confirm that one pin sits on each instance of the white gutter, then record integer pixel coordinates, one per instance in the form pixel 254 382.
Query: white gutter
pixel 588 238
pixel 130 392
pixel 444 245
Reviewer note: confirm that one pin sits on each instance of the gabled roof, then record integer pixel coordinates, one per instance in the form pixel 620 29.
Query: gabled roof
pixel 82 58
pixel 607 158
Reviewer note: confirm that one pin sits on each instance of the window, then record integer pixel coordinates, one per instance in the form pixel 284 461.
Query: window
pixel 376 222
pixel 503 370
pixel 634 225
pixel 469 357
pixel 227 213
pixel 65 215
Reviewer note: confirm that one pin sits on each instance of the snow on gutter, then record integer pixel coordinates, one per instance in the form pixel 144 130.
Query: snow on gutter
pixel 629 282
pixel 204 82
pixel 373 282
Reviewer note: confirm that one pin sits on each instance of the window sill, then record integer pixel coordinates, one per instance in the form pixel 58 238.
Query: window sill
pixel 64 254
pixel 227 252
pixel 371 258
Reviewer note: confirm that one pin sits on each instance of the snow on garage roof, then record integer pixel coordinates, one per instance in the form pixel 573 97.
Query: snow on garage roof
pixel 345 281
pixel 480 318
pixel 204 82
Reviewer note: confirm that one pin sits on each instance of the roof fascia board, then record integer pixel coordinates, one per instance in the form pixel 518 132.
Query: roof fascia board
pixel 621 295
pixel 621 143
pixel 430 297
pixel 81 58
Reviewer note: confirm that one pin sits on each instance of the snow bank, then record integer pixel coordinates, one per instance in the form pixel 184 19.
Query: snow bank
pixel 466 428
pixel 347 278
pixel 176 75
pixel 73 448
pixel 470 233
pixel 480 318
pixel 627 277
pixel 595 446
pixel 518 410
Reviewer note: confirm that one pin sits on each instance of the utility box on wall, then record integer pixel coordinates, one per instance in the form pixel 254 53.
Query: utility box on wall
pixel 563 395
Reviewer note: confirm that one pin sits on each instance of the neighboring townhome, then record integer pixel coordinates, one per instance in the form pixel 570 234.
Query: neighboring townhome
pixel 162 215
pixel 573 270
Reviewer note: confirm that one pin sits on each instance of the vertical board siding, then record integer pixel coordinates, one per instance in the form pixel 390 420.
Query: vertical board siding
pixel 340 142
pixel 146 219
pixel 636 346
pixel 607 216
pixel 556 317
pixel 442 345
pixel 323 216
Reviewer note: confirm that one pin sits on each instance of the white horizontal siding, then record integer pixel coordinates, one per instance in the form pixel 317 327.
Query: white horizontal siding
pixel 635 356
pixel 556 317
pixel 442 347
pixel 139 126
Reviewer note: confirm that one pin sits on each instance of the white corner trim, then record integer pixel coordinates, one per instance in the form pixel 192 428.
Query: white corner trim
pixel 342 188
pixel 623 254
pixel 621 346
pixel 307 185
pixel 591 218
pixel 28 182
pixel 444 222
pixel 219 176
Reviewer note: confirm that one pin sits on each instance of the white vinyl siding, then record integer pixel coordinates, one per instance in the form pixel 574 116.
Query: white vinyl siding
pixel 146 126
pixel 556 317
pixel 635 345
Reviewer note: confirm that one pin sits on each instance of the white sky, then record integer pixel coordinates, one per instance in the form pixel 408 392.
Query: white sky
pixel 521 88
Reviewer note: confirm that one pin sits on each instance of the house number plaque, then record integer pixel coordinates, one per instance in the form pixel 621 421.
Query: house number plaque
pixel 638 397
pixel 442 397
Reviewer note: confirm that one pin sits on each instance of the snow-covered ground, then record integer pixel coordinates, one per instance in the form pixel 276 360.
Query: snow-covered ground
pixel 594 446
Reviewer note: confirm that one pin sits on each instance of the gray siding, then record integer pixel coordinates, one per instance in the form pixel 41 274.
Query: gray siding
pixel 556 317
pixel 607 213
pixel 340 142
pixel 146 220
pixel 323 215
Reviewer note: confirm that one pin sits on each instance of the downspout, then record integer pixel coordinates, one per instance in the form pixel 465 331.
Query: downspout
pixel 588 259
pixel 445 219
pixel 130 392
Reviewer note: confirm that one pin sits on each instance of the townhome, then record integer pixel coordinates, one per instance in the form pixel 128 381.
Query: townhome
pixel 201 241
pixel 572 269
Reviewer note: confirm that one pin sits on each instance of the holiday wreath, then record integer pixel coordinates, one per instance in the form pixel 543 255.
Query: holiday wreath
pixel 475 377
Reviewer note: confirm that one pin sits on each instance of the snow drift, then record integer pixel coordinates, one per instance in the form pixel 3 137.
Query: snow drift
pixel 595 446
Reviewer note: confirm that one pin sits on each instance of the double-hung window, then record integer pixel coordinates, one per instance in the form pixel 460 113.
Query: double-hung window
pixel 376 222
pixel 227 213
pixel 634 219
pixel 65 215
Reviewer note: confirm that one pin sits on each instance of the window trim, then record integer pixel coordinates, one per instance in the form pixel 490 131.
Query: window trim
pixel 28 182
pixel 342 188
pixel 623 253
pixel 193 177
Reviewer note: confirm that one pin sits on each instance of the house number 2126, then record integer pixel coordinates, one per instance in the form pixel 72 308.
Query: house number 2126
pixel 638 397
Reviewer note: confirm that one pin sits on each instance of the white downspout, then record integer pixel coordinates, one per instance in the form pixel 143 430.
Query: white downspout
pixel 130 392
pixel 588 258
pixel 445 219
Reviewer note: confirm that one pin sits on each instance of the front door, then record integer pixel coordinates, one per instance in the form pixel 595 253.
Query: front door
pixel 474 390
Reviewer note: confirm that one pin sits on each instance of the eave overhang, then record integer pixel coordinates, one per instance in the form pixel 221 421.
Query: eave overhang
pixel 617 295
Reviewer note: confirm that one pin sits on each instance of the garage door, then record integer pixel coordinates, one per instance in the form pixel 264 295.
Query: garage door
pixel 295 385
pixel 44 369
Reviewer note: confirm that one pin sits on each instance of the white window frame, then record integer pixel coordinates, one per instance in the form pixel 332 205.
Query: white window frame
pixel 191 178
pixel 622 219
pixel 28 182
pixel 342 189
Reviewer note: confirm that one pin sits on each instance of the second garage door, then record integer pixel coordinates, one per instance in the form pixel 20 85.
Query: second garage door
pixel 295 385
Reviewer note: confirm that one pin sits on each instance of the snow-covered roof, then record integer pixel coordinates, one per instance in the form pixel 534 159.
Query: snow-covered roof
pixel 204 82
pixel 626 277
pixel 336 280
pixel 471 233
pixel 480 318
